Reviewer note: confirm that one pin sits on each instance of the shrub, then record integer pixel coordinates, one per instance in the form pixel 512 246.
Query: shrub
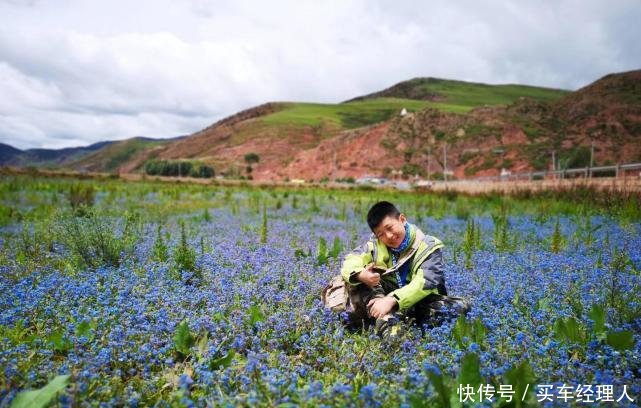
pixel 95 239
pixel 263 230
pixel 557 241
pixel 252 158
pixel 184 255
pixel 81 196
pixel 159 252
pixel 412 169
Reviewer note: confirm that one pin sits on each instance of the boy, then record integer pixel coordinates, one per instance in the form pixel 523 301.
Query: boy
pixel 397 273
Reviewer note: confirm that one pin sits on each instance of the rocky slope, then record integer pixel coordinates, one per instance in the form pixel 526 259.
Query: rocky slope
pixel 483 128
pixel 519 137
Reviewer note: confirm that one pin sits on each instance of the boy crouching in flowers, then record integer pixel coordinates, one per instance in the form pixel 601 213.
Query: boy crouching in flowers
pixel 397 274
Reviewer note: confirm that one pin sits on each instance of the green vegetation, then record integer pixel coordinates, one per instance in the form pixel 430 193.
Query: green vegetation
pixel 471 241
pixel 575 157
pixel 252 158
pixel 81 195
pixel 42 397
pixel 471 94
pixel 344 115
pixel 179 168
pixel 411 169
pixel 111 157
pixel 93 239
pixel 146 319
pixel 185 255
pixel 454 97
pixel 120 153
pixel 466 156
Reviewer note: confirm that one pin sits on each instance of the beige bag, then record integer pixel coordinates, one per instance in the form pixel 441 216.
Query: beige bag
pixel 334 295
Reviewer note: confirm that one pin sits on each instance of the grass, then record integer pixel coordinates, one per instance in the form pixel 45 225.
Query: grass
pixel 115 155
pixel 468 94
pixel 458 97
pixel 346 115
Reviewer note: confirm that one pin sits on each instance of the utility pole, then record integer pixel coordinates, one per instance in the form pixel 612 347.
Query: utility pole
pixel 591 158
pixel 334 160
pixel 429 156
pixel 445 162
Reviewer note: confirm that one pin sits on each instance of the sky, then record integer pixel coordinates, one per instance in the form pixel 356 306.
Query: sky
pixel 76 72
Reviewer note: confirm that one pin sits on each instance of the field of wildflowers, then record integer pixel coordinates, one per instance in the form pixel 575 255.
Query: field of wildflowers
pixel 151 294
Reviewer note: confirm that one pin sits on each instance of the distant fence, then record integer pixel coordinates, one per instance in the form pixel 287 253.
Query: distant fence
pixel 617 170
pixel 619 177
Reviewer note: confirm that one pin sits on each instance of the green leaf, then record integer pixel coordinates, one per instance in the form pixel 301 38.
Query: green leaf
pixel 597 314
pixel 417 400
pixel 255 315
pixel 337 247
pixel 443 394
pixel 574 330
pixel 203 345
pixel 620 340
pixel 183 339
pixel 60 342
pixel 41 397
pixel 323 254
pixel 461 331
pixel 299 253
pixel 543 304
pixel 222 362
pixel 470 371
pixel 85 329
pixel 479 331
pixel 521 378
pixel 570 331
pixel 465 332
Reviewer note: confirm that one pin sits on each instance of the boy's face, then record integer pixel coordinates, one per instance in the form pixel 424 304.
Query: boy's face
pixel 391 231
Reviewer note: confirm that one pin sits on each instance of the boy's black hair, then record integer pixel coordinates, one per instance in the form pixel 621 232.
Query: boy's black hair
pixel 379 211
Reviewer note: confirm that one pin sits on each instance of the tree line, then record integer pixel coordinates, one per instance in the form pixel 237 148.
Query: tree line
pixel 178 168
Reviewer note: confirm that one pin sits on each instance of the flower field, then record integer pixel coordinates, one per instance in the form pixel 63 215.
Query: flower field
pixel 157 294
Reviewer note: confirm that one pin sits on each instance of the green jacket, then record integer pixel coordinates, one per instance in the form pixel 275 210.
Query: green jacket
pixel 425 274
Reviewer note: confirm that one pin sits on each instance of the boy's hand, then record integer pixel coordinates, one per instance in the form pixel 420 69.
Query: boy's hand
pixel 379 307
pixel 368 277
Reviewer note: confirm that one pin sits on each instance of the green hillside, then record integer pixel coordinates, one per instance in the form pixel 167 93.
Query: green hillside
pixel 346 116
pixel 113 156
pixel 416 94
pixel 471 94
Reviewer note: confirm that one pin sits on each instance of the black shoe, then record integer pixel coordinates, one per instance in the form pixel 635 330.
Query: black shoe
pixel 389 327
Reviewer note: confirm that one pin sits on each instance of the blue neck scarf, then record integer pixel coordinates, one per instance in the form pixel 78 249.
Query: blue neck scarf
pixel 405 243
pixel 401 275
pixel 395 252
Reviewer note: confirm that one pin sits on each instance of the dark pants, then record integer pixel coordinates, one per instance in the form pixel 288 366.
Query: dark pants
pixel 432 310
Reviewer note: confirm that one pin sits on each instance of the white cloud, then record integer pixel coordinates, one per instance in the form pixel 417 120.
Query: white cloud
pixel 85 71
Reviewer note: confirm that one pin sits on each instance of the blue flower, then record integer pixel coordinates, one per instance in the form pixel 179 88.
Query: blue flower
pixel 185 381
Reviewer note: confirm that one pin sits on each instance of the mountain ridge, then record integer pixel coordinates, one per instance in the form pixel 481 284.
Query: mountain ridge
pixel 485 127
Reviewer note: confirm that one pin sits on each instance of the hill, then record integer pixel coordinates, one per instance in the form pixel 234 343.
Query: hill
pixel 607 112
pixel 287 135
pixel 463 94
pixel 122 155
pixel 7 152
pixel 483 127
pixel 44 157
pixel 105 156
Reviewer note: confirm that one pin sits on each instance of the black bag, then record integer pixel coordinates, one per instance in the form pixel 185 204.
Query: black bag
pixel 436 309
